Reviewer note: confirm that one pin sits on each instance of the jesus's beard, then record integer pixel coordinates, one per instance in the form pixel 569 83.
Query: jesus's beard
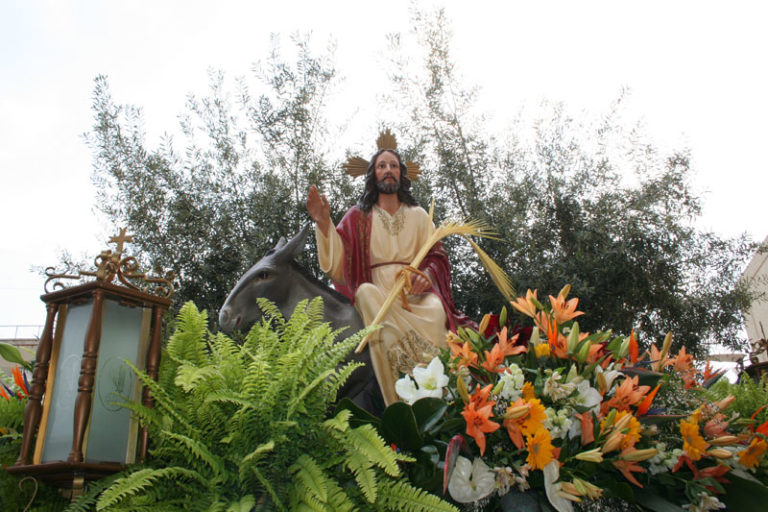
pixel 388 187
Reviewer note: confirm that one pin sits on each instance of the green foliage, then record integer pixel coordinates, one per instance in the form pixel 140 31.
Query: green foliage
pixel 588 202
pixel 749 396
pixel 235 427
pixel 238 183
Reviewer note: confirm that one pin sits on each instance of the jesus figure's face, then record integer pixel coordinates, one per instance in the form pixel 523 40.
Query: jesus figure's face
pixel 387 169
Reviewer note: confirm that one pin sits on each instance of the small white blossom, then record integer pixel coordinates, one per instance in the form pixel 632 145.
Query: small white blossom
pixel 705 503
pixel 587 396
pixel 559 422
pixel 555 389
pixel 513 380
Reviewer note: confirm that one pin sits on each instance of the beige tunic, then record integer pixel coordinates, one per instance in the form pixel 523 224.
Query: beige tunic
pixel 406 337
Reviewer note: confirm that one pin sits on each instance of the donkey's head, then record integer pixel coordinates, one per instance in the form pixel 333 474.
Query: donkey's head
pixel 272 278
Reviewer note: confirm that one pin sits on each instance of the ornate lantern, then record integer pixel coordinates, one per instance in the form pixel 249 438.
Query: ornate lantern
pixel 113 315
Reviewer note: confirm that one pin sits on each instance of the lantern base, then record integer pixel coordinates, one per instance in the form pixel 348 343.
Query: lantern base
pixel 67 475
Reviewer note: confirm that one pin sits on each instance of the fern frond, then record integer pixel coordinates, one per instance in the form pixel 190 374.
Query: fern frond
pixel 139 481
pixel 367 442
pixel 402 496
pixel 271 490
pixel 197 450
pixel 187 341
pixel 189 376
pixel 340 422
pixel 364 474
pixel 250 460
pixel 308 473
pixel 298 400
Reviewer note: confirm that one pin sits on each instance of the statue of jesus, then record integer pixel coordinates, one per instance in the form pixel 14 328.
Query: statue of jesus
pixel 376 241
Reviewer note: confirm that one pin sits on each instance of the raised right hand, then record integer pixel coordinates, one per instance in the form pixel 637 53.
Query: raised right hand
pixel 319 209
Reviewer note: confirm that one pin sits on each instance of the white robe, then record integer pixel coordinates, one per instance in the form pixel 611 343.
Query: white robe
pixel 406 337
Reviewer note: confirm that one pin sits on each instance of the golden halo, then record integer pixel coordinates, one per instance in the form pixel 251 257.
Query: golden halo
pixel 356 166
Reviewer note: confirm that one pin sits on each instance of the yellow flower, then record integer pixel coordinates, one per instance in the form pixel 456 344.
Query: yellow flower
pixel 754 451
pixel 542 350
pixel 527 391
pixel 536 416
pixel 539 449
pixel 693 444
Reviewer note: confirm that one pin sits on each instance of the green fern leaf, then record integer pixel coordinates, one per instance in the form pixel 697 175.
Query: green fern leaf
pixel 367 442
pixel 311 476
pixel 139 481
pixel 402 496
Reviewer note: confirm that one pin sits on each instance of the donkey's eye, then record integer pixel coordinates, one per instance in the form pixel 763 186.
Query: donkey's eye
pixel 262 275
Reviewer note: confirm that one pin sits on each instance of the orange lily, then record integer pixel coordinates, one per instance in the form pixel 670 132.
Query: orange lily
pixel 514 425
pixel 587 427
pixel 627 393
pixel 657 360
pixel 479 423
pixel 508 347
pixel 480 396
pixel 627 468
pixel 525 305
pixel 563 310
pixel 716 426
pixel 494 359
pixel 467 357
pixel 682 363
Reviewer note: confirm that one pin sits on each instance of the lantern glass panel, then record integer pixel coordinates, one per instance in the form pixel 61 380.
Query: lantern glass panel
pixel 112 432
pixel 58 434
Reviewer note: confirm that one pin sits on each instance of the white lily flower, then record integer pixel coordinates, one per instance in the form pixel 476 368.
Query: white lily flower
pixel 551 474
pixel 431 380
pixel 406 389
pixel 471 481
pixel 587 396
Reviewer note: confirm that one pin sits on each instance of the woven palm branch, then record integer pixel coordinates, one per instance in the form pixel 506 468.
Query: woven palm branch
pixel 464 229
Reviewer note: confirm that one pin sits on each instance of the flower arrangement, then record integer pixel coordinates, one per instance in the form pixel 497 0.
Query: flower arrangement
pixel 509 415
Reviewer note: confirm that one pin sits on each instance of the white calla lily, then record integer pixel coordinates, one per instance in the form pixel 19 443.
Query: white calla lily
pixel 471 481
pixel 551 474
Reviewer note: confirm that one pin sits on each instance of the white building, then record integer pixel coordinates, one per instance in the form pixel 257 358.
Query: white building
pixel 756 319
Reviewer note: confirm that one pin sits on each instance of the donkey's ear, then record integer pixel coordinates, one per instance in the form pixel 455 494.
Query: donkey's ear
pixel 280 243
pixel 295 246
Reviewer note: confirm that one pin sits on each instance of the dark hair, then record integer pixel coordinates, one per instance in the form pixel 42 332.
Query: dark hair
pixel 371 193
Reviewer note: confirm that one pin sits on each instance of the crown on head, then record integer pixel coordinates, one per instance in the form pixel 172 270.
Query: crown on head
pixel 357 166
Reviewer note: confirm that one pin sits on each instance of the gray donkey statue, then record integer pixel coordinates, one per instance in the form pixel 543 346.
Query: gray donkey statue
pixel 280 279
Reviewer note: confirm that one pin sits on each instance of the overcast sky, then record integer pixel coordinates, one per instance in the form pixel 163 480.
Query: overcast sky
pixel 696 71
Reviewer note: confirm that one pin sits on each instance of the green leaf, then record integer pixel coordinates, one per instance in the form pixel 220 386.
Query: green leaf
pixel 655 502
pixel 428 412
pixel 399 426
pixel 12 354
pixel 645 377
pixel 359 415
pixel 744 495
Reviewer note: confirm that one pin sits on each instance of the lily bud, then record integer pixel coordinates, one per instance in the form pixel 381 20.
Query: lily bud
pixel 639 455
pixel 613 442
pixel 514 413
pixel 565 291
pixel 623 349
pixel 723 440
pixel 573 337
pixel 725 402
pixel 602 384
pixel 610 418
pixel 535 336
pixel 587 489
pixel 484 323
pixel 623 422
pixel 568 496
pixel 664 350
pixel 461 387
pixel 594 455
pixel 584 353
pixel 451 337
pixel 720 453
pixel 569 488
